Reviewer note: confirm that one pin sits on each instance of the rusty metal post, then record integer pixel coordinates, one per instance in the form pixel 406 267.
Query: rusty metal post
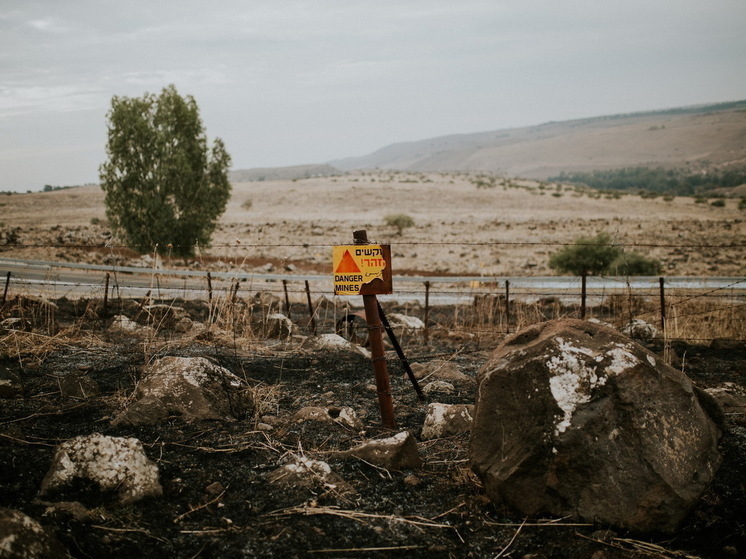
pixel 209 288
pixel 400 352
pixel 583 279
pixel 312 321
pixel 663 306
pixel 287 299
pixel 5 291
pixel 427 312
pixel 375 337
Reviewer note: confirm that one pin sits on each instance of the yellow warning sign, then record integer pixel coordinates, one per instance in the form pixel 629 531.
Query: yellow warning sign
pixel 362 269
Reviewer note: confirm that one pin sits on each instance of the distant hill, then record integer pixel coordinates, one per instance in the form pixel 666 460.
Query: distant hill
pixel 697 138
pixel 283 173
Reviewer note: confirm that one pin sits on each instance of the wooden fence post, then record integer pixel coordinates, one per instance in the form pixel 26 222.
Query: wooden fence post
pixel 663 306
pixel 106 291
pixel 507 306
pixel 427 312
pixel 312 321
pixel 287 299
pixel 5 291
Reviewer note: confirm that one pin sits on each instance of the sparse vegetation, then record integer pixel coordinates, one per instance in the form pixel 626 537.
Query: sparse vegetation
pixel 634 264
pixel 484 181
pixel 681 182
pixel 400 221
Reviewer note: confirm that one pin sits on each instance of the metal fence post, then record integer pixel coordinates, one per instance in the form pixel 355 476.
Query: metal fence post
pixel 375 337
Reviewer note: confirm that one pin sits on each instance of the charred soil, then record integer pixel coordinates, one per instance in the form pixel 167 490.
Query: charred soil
pixel 217 501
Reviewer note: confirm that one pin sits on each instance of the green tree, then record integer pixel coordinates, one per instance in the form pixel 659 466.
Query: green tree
pixel 164 186
pixel 588 255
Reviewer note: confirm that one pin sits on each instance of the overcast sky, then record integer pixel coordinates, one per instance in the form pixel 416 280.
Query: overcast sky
pixel 295 82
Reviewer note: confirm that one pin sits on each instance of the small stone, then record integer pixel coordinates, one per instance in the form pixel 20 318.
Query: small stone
pixel 440 386
pixel 311 413
pixel 78 386
pixel 638 329
pixel 214 489
pixel 412 480
pixel 121 323
pixel 440 369
pixel 346 416
pixel 444 420
pixel 396 453
pixel 183 325
pixel 308 473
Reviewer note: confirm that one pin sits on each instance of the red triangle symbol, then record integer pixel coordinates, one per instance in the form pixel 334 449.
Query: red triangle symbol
pixel 347 265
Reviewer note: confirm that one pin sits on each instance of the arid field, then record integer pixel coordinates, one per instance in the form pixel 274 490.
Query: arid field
pixel 510 229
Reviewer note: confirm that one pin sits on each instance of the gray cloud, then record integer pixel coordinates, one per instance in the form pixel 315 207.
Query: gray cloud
pixel 290 82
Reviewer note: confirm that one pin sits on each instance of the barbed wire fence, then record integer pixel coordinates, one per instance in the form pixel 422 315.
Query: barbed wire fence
pixel 480 305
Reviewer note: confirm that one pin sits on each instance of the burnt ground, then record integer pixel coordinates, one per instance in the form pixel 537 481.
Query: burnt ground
pixel 217 501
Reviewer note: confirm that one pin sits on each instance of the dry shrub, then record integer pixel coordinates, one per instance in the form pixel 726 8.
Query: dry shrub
pixel 704 318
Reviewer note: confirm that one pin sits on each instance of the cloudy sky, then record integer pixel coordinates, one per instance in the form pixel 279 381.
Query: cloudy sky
pixel 287 82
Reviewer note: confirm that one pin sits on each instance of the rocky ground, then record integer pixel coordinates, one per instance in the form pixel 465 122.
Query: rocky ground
pixel 217 499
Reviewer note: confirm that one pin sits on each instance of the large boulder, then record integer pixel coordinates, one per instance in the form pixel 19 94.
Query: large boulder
pixel 192 387
pixel 574 419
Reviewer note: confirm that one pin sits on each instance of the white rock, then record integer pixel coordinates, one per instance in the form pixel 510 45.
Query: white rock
pixel 336 343
pixel 112 463
pixel 639 330
pixel 440 386
pixel 397 320
pixel 445 420
pixel 122 323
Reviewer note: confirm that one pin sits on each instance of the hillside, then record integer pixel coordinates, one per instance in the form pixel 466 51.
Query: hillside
pixel 698 138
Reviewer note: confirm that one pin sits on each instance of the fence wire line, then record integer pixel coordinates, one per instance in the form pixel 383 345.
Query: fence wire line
pixel 233 287
pixel 228 285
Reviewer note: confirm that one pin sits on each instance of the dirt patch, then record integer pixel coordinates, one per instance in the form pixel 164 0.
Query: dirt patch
pixel 217 501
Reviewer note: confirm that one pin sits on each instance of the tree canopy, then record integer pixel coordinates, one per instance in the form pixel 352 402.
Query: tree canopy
pixel 587 256
pixel 598 255
pixel 164 187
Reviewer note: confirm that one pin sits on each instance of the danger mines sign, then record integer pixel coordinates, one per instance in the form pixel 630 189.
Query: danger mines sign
pixel 362 269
